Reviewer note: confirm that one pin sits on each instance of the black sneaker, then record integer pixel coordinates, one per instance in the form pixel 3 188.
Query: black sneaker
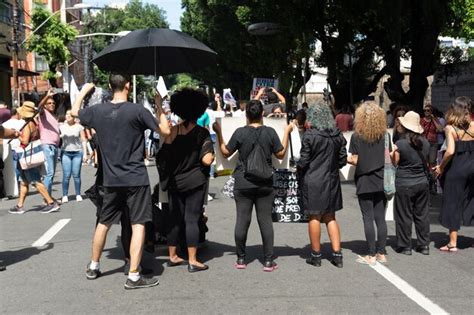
pixel 337 259
pixel 92 274
pixel 2 266
pixel 315 259
pixel 404 250
pixel 141 283
pixel 269 266
pixel 423 249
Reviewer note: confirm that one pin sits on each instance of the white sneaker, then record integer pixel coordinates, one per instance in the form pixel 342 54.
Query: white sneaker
pixel 209 198
pixel 65 199
pixel 79 198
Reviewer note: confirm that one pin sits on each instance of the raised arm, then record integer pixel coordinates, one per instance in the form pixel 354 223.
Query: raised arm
pixel 86 89
pixel 163 126
pixel 281 98
pixel 286 136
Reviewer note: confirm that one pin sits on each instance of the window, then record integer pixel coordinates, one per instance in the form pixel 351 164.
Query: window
pixel 41 65
pixel 5 13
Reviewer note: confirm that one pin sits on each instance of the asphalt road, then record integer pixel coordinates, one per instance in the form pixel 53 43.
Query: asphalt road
pixel 51 279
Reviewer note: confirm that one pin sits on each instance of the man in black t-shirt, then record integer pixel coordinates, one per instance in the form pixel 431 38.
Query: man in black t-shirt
pixel 120 127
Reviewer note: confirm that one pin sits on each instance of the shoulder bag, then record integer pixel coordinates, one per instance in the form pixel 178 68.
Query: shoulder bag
pixel 388 170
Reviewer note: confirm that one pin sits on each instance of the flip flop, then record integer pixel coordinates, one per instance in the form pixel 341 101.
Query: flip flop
pixel 382 261
pixel 448 248
pixel 361 260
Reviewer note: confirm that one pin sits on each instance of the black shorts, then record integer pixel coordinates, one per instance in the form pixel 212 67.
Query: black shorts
pixel 138 202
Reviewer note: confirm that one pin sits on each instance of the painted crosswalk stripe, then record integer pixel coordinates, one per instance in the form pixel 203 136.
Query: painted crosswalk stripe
pixel 408 290
pixel 49 234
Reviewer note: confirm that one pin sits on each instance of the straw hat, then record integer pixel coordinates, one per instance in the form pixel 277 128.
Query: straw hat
pixel 27 110
pixel 411 121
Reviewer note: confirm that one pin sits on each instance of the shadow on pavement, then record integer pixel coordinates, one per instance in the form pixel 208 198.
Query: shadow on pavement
pixel 12 257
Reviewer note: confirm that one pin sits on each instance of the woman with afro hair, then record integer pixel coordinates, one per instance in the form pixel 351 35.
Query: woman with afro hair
pixel 186 156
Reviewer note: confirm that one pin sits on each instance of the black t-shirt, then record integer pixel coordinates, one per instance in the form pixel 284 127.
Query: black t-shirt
pixel 370 164
pixel 242 140
pixel 120 134
pixel 183 160
pixel 410 169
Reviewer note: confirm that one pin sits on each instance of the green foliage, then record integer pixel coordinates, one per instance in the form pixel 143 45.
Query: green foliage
pixel 462 19
pixel 136 15
pixel 51 39
pixel 370 30
pixel 183 80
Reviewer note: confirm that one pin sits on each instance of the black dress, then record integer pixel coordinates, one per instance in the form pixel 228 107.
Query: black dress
pixel 458 201
pixel 322 154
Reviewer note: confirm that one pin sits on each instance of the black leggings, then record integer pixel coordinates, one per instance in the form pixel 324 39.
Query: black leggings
pixel 185 211
pixel 262 198
pixel 372 206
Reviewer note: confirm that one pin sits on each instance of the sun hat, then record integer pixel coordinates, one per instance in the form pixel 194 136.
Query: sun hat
pixel 411 121
pixel 27 110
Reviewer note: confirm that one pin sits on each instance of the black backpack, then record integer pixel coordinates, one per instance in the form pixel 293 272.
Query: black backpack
pixel 256 168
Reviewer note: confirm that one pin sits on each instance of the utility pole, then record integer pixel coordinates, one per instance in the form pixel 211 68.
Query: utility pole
pixel 15 54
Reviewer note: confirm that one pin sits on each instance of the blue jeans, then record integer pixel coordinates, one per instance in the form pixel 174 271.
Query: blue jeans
pixel 72 163
pixel 51 157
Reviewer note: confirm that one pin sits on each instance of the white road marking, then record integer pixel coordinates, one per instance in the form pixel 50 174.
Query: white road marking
pixel 46 237
pixel 408 290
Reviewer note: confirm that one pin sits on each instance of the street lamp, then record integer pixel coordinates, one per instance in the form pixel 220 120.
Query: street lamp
pixel 78 6
pixel 86 57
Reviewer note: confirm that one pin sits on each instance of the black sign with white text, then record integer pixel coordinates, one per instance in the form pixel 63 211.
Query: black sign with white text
pixel 286 205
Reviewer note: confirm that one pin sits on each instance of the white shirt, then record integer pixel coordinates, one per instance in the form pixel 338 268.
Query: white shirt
pixel 238 113
pixel 212 118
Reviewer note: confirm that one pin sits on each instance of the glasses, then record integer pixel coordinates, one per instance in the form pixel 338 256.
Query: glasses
pixel 51 103
pixel 427 110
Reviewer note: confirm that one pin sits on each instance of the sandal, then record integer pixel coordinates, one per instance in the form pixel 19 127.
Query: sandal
pixel 364 260
pixel 381 260
pixel 448 248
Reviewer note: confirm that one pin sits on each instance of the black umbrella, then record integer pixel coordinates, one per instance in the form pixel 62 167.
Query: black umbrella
pixel 155 51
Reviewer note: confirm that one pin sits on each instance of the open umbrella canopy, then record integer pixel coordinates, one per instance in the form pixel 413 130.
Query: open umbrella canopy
pixel 155 51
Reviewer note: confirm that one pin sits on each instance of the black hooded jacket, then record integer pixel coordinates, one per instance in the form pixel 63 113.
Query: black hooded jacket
pixel 323 153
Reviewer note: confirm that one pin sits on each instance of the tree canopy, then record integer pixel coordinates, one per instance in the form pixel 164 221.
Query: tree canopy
pixel 375 33
pixel 135 15
pixel 51 40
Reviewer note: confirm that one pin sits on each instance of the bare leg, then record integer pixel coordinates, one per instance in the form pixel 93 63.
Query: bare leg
pixel 23 193
pixel 453 238
pixel 44 192
pixel 173 253
pixel 333 231
pixel 136 246
pixel 192 253
pixel 314 231
pixel 98 242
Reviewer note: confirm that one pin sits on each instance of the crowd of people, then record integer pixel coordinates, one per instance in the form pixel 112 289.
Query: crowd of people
pixel 186 133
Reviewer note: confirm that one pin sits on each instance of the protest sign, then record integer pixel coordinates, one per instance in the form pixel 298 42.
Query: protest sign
pixel 259 83
pixel 230 124
pixel 286 205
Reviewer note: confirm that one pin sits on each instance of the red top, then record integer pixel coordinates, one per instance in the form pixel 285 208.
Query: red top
pixel 344 122
pixel 429 130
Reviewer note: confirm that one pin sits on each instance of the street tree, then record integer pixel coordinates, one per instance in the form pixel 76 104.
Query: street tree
pixel 375 34
pixel 135 15
pixel 50 41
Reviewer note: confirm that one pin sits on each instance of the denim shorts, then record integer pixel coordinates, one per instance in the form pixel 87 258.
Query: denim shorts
pixel 30 176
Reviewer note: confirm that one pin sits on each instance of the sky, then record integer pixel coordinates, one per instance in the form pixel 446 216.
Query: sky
pixel 171 7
